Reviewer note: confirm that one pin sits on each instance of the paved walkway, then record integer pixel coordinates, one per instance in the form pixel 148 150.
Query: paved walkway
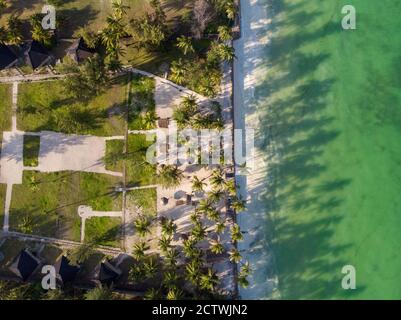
pixel 86 212
pixel 61 152
pixel 31 78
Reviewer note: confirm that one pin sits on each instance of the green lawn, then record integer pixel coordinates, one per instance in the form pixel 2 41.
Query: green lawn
pixel 142 101
pixel 31 151
pixel 5 125
pixel 45 106
pixel 46 203
pixel 146 199
pixel 5 109
pixel 139 172
pixel 104 231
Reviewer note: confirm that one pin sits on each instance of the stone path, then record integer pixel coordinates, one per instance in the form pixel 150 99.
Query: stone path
pixel 61 152
pixel 86 212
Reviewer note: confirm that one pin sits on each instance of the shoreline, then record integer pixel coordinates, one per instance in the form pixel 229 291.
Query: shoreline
pixel 249 69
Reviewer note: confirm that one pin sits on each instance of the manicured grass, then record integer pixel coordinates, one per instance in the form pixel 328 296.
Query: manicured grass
pixel 46 203
pixel 145 199
pixel 104 231
pixel 5 109
pixel 142 101
pixel 31 151
pixel 45 106
pixel 139 171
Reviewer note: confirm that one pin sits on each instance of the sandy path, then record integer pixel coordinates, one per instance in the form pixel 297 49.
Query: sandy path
pixel 249 71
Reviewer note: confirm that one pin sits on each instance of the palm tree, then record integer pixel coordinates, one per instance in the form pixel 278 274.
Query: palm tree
pixel 227 53
pixel 192 271
pixel 185 44
pixel 150 268
pixel 216 246
pixel 217 179
pixel 100 293
pixel 195 217
pixel 142 226
pixel 41 35
pixel 245 269
pixel 3 5
pixel 243 281
pixel 136 273
pixel 231 187
pixel 215 195
pixel 224 33
pixel 152 294
pixel 197 185
pixel 26 225
pixel 189 248
pixel 165 243
pixel 14 26
pixel 139 250
pixel 236 234
pixel 178 72
pixel 209 280
pixel 238 205
pixel 170 176
pixel 168 227
pixel 213 214
pixel 174 294
pixel 204 206
pixel 119 10
pixel 149 120
pixel 198 231
pixel 220 227
pixel 171 257
pixel 235 256
pixel 170 278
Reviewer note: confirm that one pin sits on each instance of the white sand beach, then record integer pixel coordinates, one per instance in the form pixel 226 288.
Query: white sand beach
pixel 249 71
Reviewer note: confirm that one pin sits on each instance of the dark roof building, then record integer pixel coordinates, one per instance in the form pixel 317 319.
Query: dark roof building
pixel 107 273
pixel 25 265
pixel 36 54
pixel 65 271
pixel 7 57
pixel 79 51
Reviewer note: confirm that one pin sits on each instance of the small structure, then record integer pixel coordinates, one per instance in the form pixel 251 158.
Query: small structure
pixel 163 123
pixel 36 55
pixel 189 199
pixel 25 265
pixel 8 58
pixel 164 201
pixel 106 273
pixel 66 272
pixel 79 51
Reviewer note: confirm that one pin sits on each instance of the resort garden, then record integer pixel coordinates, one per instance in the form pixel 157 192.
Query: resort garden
pixel 99 97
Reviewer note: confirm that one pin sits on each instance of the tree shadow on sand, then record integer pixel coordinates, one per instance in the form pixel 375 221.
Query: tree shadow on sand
pixel 303 202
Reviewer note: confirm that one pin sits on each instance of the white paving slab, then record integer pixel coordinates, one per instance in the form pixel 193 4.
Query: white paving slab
pixel 11 160
pixel 61 152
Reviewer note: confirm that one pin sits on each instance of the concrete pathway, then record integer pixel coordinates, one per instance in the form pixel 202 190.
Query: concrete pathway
pixel 14 106
pixel 31 78
pixel 86 212
pixel 61 152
